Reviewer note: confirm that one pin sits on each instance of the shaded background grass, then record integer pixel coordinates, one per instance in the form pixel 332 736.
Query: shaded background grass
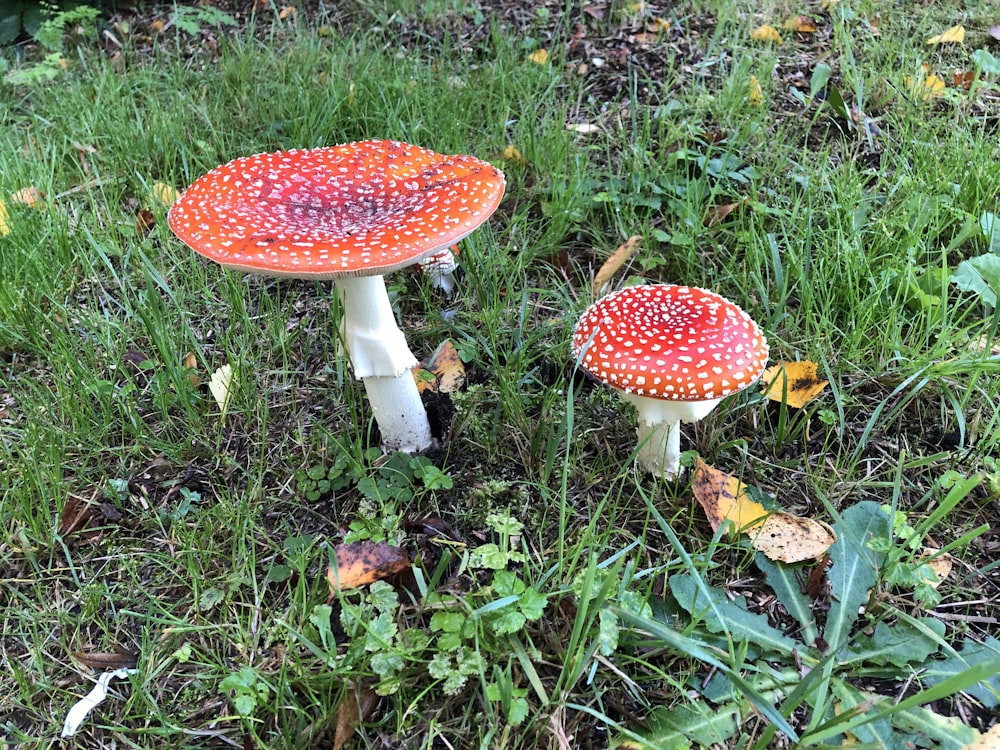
pixel 189 513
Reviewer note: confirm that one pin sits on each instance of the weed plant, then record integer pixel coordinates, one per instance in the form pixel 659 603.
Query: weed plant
pixel 557 597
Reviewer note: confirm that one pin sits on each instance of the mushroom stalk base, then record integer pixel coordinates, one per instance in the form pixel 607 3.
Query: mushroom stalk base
pixel 383 361
pixel 660 448
pixel 399 412
pixel 659 430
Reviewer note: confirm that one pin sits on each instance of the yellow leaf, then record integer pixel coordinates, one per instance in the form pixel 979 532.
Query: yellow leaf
pixel 956 35
pixel 29 196
pixel 360 563
pixel 794 383
pixel 800 25
pixel 221 387
pixel 755 94
pixel 539 56
pixel 988 741
pixel 939 563
pixel 723 498
pixel 511 153
pixel 766 33
pixel 4 220
pixel 615 261
pixel 926 88
pixel 164 193
pixel 792 539
pixel 442 372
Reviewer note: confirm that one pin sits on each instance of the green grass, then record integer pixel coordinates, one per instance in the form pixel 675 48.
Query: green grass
pixel 558 591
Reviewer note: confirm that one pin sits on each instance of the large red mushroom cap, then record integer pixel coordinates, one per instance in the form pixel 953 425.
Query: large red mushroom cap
pixel 670 342
pixel 358 209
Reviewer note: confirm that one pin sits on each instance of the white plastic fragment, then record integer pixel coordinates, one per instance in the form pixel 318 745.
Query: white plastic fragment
pixel 82 708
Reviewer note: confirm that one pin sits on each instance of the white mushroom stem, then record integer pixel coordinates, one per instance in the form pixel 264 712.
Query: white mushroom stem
pixel 381 358
pixel 659 431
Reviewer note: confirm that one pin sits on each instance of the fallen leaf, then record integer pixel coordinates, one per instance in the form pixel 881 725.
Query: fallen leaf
pixel 584 128
pixel 286 12
pixel 105 660
pixel 816 582
pixel 766 33
pixel 361 563
pixel 793 383
pixel 76 513
pixel 539 56
pixel 615 261
pixel 963 80
pixel 354 707
pixel 988 741
pixel 164 194
pixel 221 387
pixel 800 25
pixel 4 220
pixel 954 35
pixel 442 372
pixel 144 222
pixel 925 88
pixel 510 153
pixel 755 93
pixel 29 196
pixel 723 498
pixel 716 214
pixel 792 539
pixel 940 564
pixel 190 363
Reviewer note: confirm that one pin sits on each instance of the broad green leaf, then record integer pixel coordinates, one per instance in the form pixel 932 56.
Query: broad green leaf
pixel 855 567
pixel 677 727
pixel 665 635
pixel 972 654
pixel 947 732
pixel 785 583
pixel 721 615
pixel 607 632
pixel 532 603
pixel 980 275
pixel 875 733
pixel 820 77
pixel 990 224
pixel 902 644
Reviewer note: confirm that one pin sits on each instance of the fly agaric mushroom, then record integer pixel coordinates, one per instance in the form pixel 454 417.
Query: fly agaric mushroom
pixel 349 213
pixel 675 352
pixel 440 268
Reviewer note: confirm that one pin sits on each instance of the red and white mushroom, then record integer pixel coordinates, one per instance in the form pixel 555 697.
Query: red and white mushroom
pixel 675 352
pixel 440 268
pixel 349 213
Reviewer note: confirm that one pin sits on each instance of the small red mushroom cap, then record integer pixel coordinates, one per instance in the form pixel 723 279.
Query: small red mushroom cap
pixel 358 209
pixel 670 342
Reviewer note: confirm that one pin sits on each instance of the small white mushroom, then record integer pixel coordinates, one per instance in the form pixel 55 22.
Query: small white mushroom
pixel 675 352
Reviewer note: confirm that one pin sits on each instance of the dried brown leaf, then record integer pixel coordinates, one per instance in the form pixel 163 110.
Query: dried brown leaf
pixel 355 707
pixel 361 563
pixel 615 261
pixel 104 660
pixel 144 222
pixel 716 214
pixel 76 513
pixel 792 539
